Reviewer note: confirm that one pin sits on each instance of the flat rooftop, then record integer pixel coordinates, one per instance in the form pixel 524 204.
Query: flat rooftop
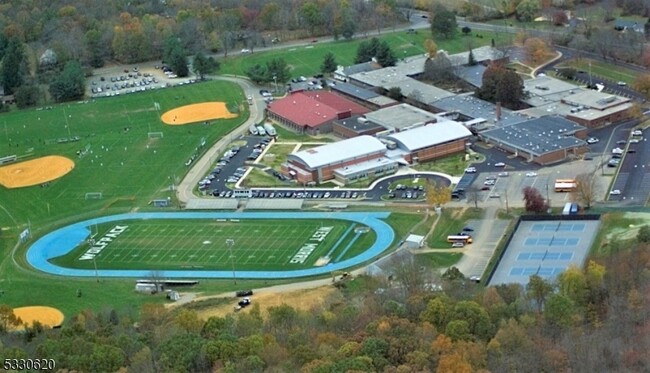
pixel 538 136
pixel 364 166
pixel 559 108
pixel 594 99
pixel 421 92
pixel 353 124
pixel 476 108
pixel 400 116
pixel 430 135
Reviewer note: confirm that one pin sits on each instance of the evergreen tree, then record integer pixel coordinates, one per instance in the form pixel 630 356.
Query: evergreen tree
pixel 443 23
pixel 329 64
pixel 385 56
pixel 203 65
pixel 13 66
pixel 471 61
pixel 70 84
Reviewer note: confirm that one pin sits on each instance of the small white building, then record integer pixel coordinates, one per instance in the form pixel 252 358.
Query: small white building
pixel 413 241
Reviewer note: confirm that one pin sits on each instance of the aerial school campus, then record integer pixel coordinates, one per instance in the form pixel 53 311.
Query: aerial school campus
pixel 122 200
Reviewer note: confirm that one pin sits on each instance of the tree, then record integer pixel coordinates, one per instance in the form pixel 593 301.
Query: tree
pixel 27 95
pixel 94 48
pixel 466 30
pixel 537 50
pixel 473 196
pixel 644 234
pixel 438 69
pixel 534 200
pixel 559 18
pixel 431 47
pixel 70 84
pixel 348 27
pixel 367 50
pixel 256 73
pixel 395 93
pixel 585 191
pixel 203 65
pixel 527 10
pixel 559 311
pixel 385 56
pixel 501 85
pixel 437 195
pixel 311 14
pixel 175 56
pixel 642 84
pixel 329 63
pixel 279 69
pixel 471 61
pixel 8 318
pixel 443 22
pixel 538 289
pixel 13 67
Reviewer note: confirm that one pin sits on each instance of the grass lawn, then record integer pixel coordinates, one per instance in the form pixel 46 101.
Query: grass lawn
pixel 438 260
pixel 290 136
pixel 306 60
pixel 614 224
pixel 453 165
pixel 200 244
pixel 606 70
pixel 280 152
pixel 451 222
pixel 258 178
pixel 403 223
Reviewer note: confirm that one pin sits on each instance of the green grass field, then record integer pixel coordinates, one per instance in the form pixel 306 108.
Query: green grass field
pixel 306 60
pixel 602 69
pixel 200 244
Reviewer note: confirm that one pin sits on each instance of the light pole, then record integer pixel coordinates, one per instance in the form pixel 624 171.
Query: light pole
pixel 230 243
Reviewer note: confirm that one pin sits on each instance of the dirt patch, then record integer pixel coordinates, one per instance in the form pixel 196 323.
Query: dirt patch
pixel 304 300
pixel 47 316
pixel 197 113
pixel 34 172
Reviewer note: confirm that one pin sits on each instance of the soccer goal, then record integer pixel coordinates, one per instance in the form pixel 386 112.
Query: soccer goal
pixel 93 195
pixel 155 135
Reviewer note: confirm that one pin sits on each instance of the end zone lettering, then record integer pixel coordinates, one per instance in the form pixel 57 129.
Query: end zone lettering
pixel 306 249
pixel 103 242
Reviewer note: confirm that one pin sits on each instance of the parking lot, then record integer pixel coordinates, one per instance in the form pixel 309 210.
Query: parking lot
pixel 632 184
pixel 113 82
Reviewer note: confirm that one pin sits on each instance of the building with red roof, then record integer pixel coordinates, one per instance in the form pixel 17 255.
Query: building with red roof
pixel 312 111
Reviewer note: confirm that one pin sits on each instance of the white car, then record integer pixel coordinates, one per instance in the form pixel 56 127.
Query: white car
pixel 531 174
pixel 635 141
pixel 245 51
pixel 637 133
pixel 615 192
pixel 489 182
pixel 621 83
pixel 499 164
pixel 470 170
pixel 592 140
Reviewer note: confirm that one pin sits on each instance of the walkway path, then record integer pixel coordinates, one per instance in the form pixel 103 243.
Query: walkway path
pixel 489 230
pixel 202 165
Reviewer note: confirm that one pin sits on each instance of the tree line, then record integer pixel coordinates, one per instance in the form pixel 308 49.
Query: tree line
pixel 590 319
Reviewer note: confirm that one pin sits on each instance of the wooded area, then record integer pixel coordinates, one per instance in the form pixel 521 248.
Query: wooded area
pixel 588 320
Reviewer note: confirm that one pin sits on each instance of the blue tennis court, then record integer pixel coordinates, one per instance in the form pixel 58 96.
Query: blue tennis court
pixel 560 226
pixel 544 248
pixel 544 255
pixel 551 241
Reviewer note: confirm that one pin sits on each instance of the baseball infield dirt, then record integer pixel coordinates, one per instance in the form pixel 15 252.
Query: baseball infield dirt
pixel 197 113
pixel 35 171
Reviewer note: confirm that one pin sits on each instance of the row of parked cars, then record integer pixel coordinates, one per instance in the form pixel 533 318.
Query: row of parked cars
pixel 258 149
pixel 306 195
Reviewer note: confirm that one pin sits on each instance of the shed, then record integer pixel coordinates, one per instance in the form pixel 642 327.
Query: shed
pixel 413 241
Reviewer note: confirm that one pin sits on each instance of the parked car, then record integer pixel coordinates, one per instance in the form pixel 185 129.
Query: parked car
pixel 499 164
pixel 592 140
pixel 615 192
pixel 458 244
pixel 503 174
pixel 244 302
pixel 470 170
pixel 637 133
pixel 531 174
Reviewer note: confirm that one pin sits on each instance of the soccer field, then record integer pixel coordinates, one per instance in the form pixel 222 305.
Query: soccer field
pixel 209 244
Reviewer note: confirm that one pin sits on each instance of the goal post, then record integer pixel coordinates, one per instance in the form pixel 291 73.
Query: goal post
pixel 93 195
pixel 155 135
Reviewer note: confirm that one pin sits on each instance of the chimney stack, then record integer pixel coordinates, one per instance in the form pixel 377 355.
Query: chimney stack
pixel 498 111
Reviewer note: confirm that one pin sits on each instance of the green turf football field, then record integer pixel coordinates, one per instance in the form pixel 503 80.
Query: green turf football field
pixel 201 244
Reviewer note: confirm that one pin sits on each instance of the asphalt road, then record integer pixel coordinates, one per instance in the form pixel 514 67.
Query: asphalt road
pixel 633 179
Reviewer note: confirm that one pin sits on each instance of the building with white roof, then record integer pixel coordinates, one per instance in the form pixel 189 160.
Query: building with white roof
pixel 400 117
pixel 319 164
pixel 590 108
pixel 431 141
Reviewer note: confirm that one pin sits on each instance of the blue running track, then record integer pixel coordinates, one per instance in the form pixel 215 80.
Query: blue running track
pixel 64 240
